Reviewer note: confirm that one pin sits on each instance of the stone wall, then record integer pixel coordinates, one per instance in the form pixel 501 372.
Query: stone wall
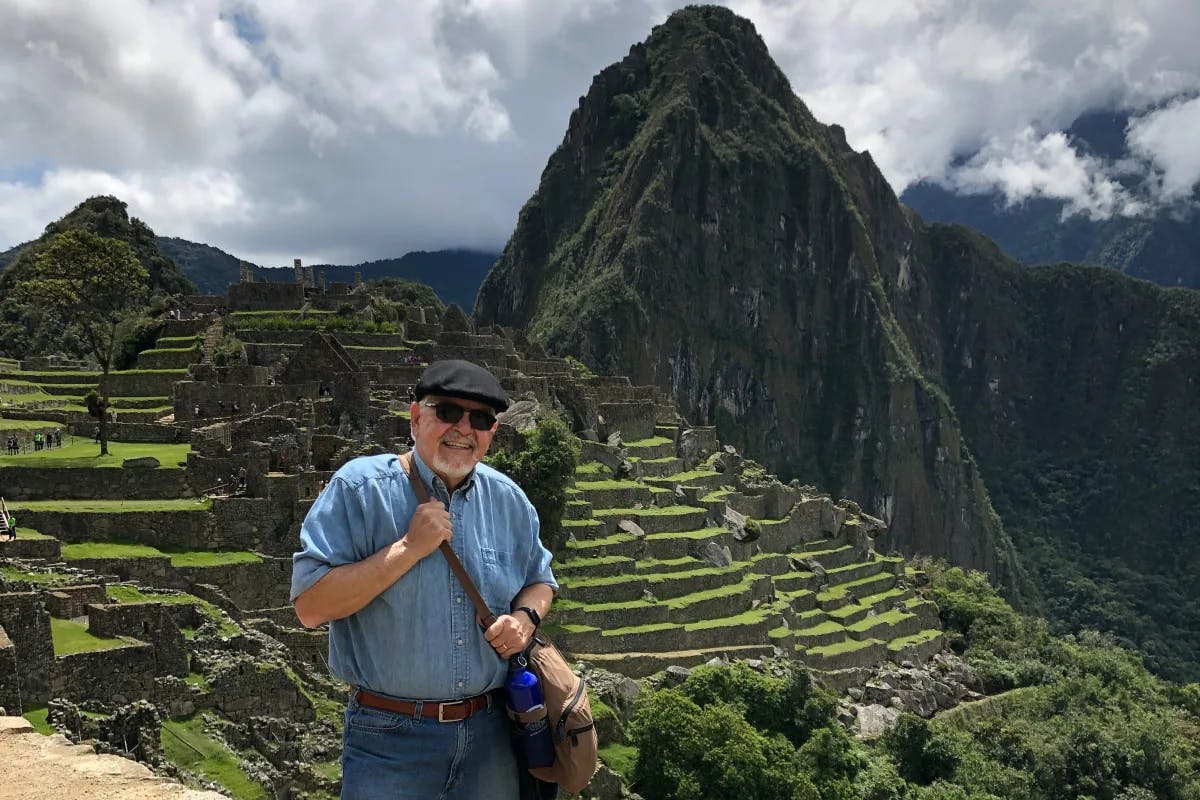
pixel 144 383
pixel 10 685
pixel 166 530
pixel 82 425
pixel 243 688
pixel 250 586
pixel 146 622
pixel 254 523
pixel 68 602
pixel 118 676
pixel 87 483
pixel 209 396
pixel 265 296
pixel 24 619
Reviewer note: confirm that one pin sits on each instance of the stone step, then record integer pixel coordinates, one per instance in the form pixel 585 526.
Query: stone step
pixel 725 632
pixel 578 509
pixel 657 467
pixel 885 627
pixel 727 601
pixel 845 594
pixel 823 633
pixel 640 665
pixel 614 494
pixel 595 567
pixel 662 586
pixel 670 519
pixel 917 648
pixel 797 581
pixel 884 601
pixel 707 479
pixel 854 571
pixel 845 654
pixel 651 448
pixel 676 544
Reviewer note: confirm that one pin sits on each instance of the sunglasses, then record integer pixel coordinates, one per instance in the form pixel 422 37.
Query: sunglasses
pixel 451 413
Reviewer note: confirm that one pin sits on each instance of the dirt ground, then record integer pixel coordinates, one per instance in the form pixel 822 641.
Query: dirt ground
pixel 36 767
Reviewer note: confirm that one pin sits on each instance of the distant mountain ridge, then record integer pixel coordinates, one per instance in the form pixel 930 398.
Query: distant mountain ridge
pixel 1163 247
pixel 455 275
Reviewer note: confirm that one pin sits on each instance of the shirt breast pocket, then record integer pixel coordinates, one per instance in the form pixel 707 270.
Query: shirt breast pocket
pixel 500 582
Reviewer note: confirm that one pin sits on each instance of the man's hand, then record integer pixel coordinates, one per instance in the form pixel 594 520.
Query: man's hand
pixel 509 634
pixel 430 527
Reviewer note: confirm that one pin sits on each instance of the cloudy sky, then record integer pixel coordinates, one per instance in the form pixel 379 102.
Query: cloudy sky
pixel 346 131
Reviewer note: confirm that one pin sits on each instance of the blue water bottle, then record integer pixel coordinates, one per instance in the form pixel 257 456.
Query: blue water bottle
pixel 525 698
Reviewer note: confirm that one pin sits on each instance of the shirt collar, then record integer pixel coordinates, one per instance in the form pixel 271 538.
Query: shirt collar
pixel 430 479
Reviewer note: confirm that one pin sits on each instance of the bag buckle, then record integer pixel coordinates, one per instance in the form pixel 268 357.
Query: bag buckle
pixel 442 710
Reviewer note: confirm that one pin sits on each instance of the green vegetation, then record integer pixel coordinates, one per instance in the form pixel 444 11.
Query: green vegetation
pixel 74 637
pixel 113 506
pixel 197 558
pixel 312 321
pixel 1075 718
pixel 37 578
pixel 37 717
pixel 93 282
pixel 543 466
pixel 187 744
pixel 80 451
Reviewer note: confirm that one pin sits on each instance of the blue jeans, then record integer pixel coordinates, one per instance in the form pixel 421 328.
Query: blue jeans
pixel 389 756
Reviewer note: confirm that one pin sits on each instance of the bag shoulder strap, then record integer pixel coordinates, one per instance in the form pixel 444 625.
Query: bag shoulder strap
pixel 486 617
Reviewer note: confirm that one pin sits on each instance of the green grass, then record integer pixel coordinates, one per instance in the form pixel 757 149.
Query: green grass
pixel 112 506
pixel 28 424
pixel 683 477
pixel 81 451
pixel 30 533
pixel 620 758
pixel 186 743
pixel 653 511
pixel 74 637
pixel 190 558
pixel 837 648
pixel 921 637
pixel 653 441
pixel 37 717
pixel 38 578
pixel 608 484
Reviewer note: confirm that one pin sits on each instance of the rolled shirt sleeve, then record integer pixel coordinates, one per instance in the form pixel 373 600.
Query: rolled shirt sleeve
pixel 326 536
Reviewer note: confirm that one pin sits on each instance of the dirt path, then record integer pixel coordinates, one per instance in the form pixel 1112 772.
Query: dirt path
pixel 36 767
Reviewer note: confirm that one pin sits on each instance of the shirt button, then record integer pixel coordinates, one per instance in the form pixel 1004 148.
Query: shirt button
pixel 460 684
pixel 460 642
pixel 458 599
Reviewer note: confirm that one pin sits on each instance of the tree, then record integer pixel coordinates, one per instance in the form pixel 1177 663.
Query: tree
pixel 543 466
pixel 93 282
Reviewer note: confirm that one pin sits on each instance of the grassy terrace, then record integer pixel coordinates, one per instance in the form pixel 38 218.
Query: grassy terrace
pixel 186 743
pixel 653 511
pixel 191 558
pixel 113 506
pixel 131 594
pixel 74 637
pixel 81 451
pixel 12 574
pixel 27 424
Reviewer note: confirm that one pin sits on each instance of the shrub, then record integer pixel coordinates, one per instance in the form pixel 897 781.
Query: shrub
pixel 542 466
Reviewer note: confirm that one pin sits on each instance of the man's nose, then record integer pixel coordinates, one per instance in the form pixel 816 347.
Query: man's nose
pixel 463 425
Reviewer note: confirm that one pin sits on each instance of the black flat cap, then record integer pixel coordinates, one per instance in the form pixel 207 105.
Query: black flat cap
pixel 455 378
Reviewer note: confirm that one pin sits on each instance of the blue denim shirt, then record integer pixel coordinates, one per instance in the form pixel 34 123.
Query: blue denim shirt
pixel 419 639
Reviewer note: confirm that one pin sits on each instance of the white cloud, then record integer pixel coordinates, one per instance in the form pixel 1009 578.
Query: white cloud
pixel 361 130
pixel 1047 166
pixel 1168 138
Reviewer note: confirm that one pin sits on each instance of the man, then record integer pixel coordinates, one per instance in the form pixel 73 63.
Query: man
pixel 425 718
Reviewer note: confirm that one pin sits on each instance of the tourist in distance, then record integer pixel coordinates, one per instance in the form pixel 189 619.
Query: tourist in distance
pixel 425 719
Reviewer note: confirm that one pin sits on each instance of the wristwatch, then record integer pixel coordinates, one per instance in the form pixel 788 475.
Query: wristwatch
pixel 533 616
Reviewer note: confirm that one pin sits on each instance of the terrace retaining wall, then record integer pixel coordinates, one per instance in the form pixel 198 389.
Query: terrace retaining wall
pixel 92 483
pixel 118 676
pixel 25 621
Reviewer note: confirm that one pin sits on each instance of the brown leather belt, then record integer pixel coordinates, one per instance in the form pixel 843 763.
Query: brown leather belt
pixel 446 711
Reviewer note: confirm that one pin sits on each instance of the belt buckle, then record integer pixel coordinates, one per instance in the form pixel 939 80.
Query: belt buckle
pixel 442 710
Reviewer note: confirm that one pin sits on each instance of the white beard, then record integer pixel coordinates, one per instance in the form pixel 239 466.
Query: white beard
pixel 453 471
